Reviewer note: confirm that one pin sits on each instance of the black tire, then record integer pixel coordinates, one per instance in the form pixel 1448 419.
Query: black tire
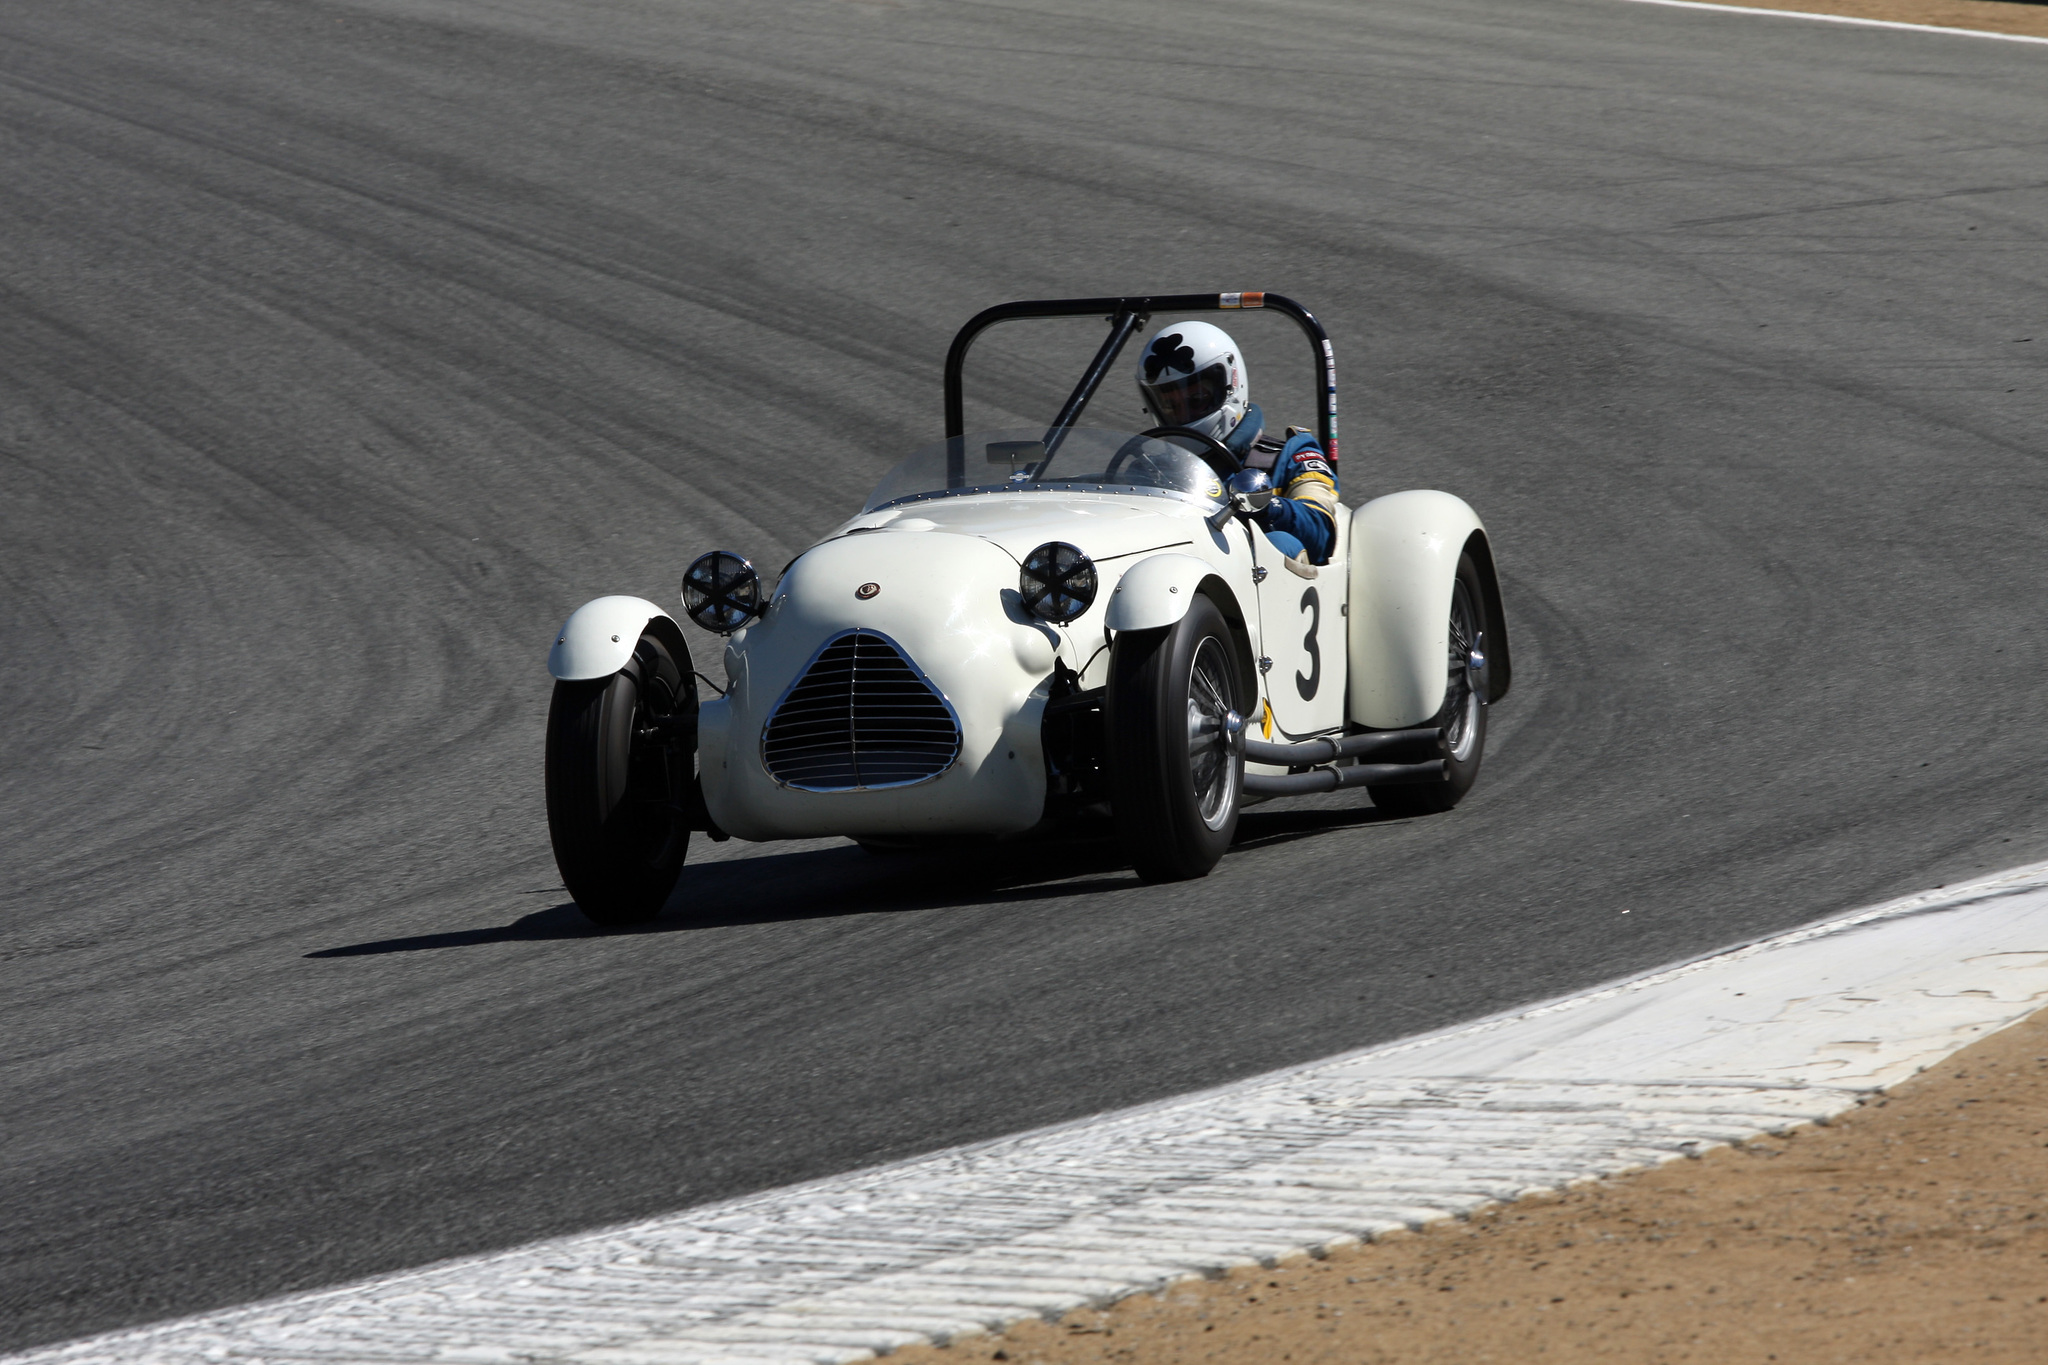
pixel 1463 716
pixel 617 776
pixel 1176 778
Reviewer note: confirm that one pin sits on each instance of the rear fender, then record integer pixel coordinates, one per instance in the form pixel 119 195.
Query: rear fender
pixel 598 638
pixel 1404 560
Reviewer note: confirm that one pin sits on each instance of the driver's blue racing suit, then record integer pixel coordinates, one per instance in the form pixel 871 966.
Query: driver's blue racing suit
pixel 1301 520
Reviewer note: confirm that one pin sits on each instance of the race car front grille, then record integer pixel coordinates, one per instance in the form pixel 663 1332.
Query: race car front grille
pixel 860 717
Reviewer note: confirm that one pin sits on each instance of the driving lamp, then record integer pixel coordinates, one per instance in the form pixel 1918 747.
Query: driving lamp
pixel 721 592
pixel 1057 582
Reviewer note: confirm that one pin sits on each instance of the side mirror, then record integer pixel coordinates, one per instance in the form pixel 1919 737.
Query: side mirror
pixel 1250 490
pixel 1245 492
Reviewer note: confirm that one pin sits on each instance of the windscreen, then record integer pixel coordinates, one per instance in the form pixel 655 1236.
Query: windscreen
pixel 1015 461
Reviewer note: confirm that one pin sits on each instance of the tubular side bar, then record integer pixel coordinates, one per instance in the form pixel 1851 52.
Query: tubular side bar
pixel 1331 779
pixel 1126 315
pixel 1387 746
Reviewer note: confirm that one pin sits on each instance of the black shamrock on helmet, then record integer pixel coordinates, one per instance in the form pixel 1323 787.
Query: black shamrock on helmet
pixel 1168 353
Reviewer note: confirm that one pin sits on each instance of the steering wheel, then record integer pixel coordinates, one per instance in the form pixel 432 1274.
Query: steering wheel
pixel 1214 453
pixel 1134 453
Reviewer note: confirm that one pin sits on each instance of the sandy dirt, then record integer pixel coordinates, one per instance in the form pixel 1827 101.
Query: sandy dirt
pixel 1990 15
pixel 1914 1228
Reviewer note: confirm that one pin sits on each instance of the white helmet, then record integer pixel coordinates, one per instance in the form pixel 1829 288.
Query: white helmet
pixel 1191 375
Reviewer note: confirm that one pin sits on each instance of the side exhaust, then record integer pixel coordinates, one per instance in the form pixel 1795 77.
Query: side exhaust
pixel 1396 757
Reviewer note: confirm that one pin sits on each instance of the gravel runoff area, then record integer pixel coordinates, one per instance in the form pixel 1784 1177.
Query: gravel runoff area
pixel 1992 16
pixel 1913 1228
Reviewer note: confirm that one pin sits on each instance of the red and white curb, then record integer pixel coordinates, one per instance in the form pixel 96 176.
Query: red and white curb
pixel 1788 1030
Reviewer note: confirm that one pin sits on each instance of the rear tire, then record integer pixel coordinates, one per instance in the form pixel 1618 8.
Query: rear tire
pixel 616 787
pixel 1463 715
pixel 1176 774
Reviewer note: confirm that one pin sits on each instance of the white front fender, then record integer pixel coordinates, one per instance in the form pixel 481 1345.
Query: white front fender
pixel 599 636
pixel 1404 559
pixel 1155 592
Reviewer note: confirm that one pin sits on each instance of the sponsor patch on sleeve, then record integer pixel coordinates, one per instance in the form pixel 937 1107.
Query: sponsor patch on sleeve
pixel 1312 461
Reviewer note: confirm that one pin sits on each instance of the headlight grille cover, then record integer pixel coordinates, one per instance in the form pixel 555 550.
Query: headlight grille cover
pixel 860 717
pixel 1056 582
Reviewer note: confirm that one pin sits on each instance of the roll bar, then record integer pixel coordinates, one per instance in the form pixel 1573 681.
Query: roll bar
pixel 1126 315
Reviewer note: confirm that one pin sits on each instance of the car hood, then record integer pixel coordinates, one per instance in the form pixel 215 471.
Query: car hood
pixel 1102 525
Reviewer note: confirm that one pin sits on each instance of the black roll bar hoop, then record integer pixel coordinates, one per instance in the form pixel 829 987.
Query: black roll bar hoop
pixel 1126 316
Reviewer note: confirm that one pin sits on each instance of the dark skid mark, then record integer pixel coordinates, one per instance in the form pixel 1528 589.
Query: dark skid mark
pixel 29 950
pixel 1882 202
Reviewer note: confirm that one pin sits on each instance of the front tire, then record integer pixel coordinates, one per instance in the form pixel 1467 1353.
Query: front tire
pixel 618 770
pixel 1176 772
pixel 1463 715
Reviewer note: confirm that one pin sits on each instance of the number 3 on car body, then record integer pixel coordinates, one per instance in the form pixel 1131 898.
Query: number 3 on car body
pixel 1306 684
pixel 1302 631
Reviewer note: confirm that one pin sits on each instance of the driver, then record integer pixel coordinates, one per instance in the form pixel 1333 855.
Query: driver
pixel 1192 376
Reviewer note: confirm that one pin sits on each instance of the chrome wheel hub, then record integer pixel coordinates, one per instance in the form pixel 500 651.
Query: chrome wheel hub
pixel 1213 728
pixel 1467 686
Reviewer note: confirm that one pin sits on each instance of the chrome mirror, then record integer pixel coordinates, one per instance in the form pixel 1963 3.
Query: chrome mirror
pixel 1250 490
pixel 1245 492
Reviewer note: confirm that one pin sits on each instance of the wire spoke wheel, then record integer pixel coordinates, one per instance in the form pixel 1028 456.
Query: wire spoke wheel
pixel 1212 754
pixel 1462 701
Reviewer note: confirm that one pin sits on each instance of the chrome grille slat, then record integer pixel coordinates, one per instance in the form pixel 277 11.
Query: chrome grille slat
pixel 860 716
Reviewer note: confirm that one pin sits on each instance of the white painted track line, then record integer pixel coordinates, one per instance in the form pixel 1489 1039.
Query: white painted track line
pixel 1788 1030
pixel 1845 19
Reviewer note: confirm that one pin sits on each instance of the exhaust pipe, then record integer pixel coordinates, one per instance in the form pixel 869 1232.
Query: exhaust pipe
pixel 1404 756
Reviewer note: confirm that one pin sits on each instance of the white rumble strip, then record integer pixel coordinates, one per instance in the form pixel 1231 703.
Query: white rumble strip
pixel 1785 1031
pixel 1715 6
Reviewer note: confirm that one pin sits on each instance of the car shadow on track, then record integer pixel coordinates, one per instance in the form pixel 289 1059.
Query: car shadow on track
pixel 1263 827
pixel 828 883
pixel 822 884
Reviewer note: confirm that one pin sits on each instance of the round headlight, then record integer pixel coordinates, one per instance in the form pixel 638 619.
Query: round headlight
pixel 1057 582
pixel 721 592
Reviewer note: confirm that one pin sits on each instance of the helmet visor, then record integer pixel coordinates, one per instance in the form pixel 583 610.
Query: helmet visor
pixel 1178 402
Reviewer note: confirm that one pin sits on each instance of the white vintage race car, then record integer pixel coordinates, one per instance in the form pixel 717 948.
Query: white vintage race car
pixel 1026 626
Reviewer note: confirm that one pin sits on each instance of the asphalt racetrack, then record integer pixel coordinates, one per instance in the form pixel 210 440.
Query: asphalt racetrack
pixel 347 345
